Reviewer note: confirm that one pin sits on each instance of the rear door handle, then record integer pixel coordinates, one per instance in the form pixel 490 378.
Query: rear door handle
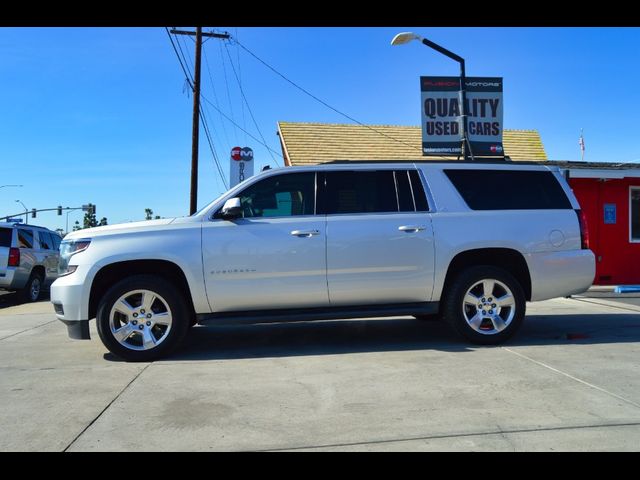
pixel 305 233
pixel 411 228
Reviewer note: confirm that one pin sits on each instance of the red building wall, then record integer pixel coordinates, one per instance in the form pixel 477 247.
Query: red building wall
pixel 617 258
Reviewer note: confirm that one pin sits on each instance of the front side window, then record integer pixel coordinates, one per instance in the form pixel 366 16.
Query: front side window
pixel 360 192
pixel 25 238
pixel 634 212
pixel 285 195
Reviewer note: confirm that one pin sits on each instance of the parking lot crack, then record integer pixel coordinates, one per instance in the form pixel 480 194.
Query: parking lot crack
pixel 29 329
pixel 107 407
pixel 575 379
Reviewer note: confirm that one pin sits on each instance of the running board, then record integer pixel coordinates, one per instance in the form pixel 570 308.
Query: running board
pixel 311 314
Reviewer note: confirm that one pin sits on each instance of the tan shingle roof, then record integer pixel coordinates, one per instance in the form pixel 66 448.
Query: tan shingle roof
pixel 308 143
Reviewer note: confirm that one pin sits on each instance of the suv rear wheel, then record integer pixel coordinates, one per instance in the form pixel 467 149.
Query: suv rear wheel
pixel 485 304
pixel 33 288
pixel 142 318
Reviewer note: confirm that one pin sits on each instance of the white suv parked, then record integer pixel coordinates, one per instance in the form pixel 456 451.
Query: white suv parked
pixel 467 240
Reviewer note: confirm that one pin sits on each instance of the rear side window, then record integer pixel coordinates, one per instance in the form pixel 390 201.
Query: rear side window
pixel 509 189
pixel 45 240
pixel 25 238
pixel 5 237
pixel 360 192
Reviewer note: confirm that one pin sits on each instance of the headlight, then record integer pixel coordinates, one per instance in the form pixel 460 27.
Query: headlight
pixel 68 248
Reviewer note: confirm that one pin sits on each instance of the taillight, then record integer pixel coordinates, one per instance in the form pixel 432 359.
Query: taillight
pixel 584 229
pixel 14 257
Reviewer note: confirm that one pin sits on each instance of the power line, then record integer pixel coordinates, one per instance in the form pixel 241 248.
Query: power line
pixel 248 106
pixel 226 83
pixel 215 95
pixel 320 100
pixel 184 70
pixel 211 147
pixel 234 123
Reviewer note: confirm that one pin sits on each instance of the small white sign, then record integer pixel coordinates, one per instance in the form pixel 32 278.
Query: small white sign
pixel 241 166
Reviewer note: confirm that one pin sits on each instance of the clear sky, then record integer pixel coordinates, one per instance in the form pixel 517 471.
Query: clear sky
pixel 103 115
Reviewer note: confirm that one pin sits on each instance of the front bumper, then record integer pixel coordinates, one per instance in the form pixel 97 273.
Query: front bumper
pixel 77 329
pixel 70 299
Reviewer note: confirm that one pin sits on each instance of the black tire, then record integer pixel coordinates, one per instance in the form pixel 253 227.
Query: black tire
pixel 33 289
pixel 168 296
pixel 474 321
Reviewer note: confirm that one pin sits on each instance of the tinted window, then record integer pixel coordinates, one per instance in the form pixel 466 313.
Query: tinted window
pixel 635 214
pixel 56 241
pixel 360 192
pixel 405 197
pixel 5 237
pixel 280 196
pixel 509 189
pixel 45 240
pixel 418 192
pixel 25 238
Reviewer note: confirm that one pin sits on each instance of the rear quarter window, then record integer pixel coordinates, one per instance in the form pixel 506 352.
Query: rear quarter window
pixel 25 238
pixel 5 237
pixel 509 189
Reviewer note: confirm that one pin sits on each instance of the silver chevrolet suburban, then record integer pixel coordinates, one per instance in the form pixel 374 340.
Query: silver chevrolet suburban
pixel 469 241
pixel 28 258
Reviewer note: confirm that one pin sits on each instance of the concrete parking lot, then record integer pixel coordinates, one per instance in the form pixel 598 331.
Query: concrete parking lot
pixel 568 381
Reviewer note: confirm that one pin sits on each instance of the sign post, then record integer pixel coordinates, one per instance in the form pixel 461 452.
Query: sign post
pixel 241 166
pixel 442 116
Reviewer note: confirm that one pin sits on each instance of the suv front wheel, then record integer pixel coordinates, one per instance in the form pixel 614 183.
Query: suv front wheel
pixel 142 318
pixel 485 304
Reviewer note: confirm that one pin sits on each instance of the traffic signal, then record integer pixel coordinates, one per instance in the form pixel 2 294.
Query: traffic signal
pixel 59 210
pixel 33 213
pixel 92 209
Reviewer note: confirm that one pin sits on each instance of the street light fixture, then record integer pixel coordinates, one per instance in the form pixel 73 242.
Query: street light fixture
pixel 26 212
pixel 2 186
pixel 406 37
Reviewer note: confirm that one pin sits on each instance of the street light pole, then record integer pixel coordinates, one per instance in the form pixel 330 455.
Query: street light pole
pixel 406 37
pixel 26 212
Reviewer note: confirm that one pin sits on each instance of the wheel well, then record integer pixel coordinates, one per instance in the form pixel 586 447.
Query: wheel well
pixel 109 275
pixel 40 270
pixel 510 260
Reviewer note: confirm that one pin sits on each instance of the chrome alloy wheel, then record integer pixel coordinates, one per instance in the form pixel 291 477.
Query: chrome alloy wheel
pixel 140 320
pixel 489 306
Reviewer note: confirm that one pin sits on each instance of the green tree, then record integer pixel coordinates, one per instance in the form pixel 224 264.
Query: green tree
pixel 103 222
pixel 90 218
pixel 77 226
pixel 148 214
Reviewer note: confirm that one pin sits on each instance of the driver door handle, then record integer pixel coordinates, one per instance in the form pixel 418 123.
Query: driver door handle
pixel 411 228
pixel 305 233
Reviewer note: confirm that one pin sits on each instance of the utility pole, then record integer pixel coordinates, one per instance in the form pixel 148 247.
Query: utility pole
pixel 193 198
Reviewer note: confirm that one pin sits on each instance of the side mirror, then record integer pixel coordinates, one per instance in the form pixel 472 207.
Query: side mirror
pixel 231 209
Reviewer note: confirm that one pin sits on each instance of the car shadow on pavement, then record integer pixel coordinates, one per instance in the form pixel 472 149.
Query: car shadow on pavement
pixel 402 334
pixel 11 299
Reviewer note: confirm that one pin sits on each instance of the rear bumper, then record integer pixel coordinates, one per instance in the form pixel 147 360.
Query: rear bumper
pixel 560 274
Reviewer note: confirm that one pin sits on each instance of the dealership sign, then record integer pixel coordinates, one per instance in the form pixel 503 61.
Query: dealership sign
pixel 241 165
pixel 442 115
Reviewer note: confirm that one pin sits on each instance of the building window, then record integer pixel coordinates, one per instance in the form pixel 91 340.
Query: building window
pixel 634 214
